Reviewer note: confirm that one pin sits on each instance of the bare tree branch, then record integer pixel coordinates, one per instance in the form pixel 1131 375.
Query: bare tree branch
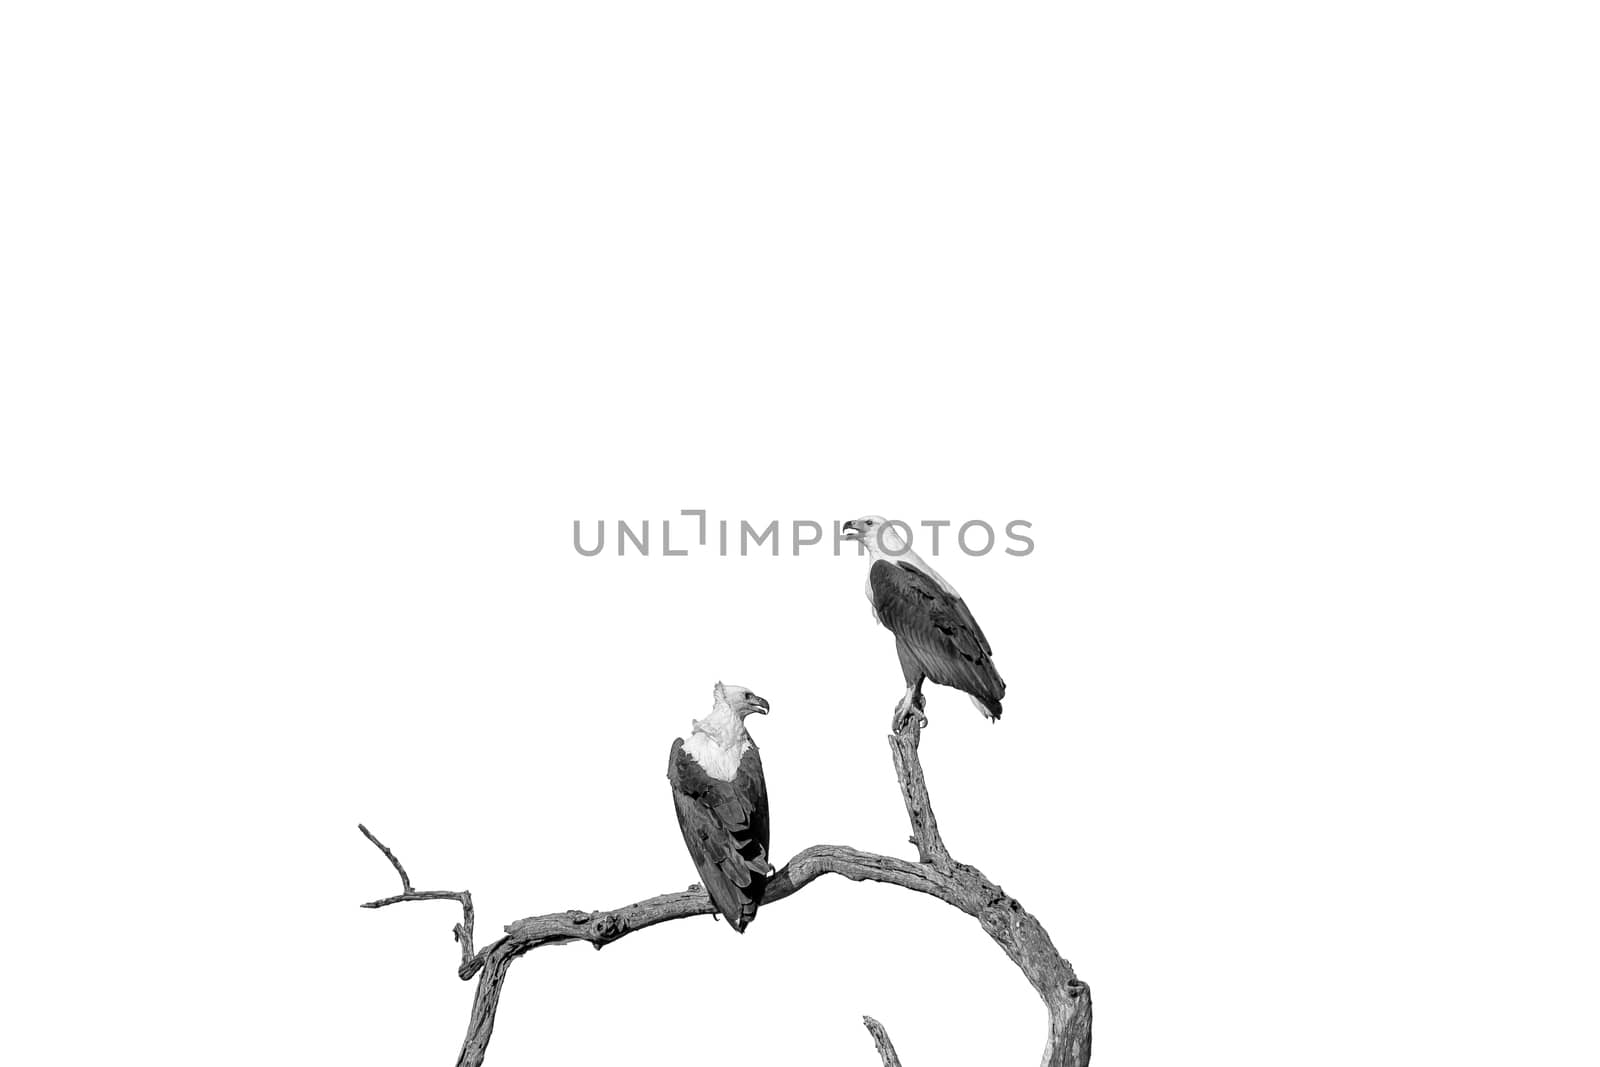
pixel 880 1037
pixel 463 929
pixel 914 788
pixel 405 879
pixel 964 887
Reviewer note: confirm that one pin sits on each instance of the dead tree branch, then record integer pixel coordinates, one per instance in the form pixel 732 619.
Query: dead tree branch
pixel 880 1037
pixel 463 929
pixel 936 874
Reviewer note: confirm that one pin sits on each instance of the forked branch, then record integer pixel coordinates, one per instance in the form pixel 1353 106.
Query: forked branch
pixel 463 929
pixel 935 874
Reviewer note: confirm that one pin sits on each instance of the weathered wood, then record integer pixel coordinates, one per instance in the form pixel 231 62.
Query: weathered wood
pixel 463 929
pixel 936 874
pixel 880 1037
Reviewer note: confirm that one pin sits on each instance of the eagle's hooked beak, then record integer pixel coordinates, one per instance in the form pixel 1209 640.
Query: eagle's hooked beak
pixel 756 703
pixel 849 528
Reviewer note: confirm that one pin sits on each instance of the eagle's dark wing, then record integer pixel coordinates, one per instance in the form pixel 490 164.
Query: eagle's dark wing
pixel 725 826
pixel 936 631
pixel 751 781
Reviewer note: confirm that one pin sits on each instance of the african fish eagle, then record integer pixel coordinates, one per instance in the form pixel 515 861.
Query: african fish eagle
pixel 721 796
pixel 934 633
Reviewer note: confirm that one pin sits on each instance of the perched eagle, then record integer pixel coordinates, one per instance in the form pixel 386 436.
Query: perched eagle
pixel 934 633
pixel 721 796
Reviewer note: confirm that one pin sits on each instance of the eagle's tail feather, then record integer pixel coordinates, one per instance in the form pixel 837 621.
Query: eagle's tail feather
pixel 988 705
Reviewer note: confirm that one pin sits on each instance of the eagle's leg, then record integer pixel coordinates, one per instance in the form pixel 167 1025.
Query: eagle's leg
pixel 912 703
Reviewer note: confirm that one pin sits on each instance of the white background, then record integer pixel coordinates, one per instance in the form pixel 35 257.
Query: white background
pixel 322 322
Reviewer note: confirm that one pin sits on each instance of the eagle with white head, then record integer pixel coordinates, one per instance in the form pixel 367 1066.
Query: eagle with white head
pixel 721 795
pixel 935 634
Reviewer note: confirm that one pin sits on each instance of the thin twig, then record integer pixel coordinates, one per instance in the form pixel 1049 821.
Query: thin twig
pixel 462 930
pixel 405 879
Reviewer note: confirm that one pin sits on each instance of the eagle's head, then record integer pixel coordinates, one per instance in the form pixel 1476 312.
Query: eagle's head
pixel 739 700
pixel 877 533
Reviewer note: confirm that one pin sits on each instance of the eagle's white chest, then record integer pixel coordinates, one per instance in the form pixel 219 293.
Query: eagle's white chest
pixel 718 743
pixel 718 760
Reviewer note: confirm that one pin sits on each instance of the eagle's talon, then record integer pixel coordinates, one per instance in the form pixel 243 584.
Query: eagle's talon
pixel 903 712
